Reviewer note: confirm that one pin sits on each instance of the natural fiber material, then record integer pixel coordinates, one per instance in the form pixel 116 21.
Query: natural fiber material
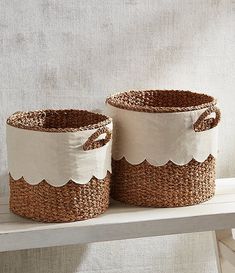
pixel 69 120
pixel 72 201
pixel 203 123
pixel 92 143
pixel 165 186
pixel 169 185
pixel 161 101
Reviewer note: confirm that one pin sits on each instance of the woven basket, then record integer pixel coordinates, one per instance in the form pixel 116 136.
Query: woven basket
pixel 168 184
pixel 45 200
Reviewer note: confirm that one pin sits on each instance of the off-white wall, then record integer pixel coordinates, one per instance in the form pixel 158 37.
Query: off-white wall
pixel 56 53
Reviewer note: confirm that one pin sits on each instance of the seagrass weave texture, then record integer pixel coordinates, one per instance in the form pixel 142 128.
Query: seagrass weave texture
pixel 72 201
pixel 69 120
pixel 161 101
pixel 169 185
pixel 164 186
pixel 68 203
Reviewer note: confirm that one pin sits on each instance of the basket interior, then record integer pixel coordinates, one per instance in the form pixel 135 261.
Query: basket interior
pixel 58 120
pixel 161 100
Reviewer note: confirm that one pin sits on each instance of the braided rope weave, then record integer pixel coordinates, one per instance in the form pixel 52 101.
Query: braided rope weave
pixel 71 202
pixel 161 101
pixel 169 185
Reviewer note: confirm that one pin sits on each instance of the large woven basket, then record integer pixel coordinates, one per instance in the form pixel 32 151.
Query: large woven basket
pixel 58 164
pixel 159 169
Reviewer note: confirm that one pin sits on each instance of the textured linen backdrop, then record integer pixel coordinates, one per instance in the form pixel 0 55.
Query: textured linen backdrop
pixel 69 53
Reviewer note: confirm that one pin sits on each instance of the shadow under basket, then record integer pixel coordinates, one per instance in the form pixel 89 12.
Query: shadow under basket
pixel 69 201
pixel 152 126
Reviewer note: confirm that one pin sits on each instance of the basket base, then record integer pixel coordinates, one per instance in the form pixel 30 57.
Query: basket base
pixel 165 186
pixel 71 202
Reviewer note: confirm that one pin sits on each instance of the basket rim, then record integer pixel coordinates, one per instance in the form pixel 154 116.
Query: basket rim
pixel 115 101
pixel 11 121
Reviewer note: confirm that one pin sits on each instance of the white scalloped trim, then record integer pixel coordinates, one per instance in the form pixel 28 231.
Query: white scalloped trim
pixel 55 157
pixel 160 137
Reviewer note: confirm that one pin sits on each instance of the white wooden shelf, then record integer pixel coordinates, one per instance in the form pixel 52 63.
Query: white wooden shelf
pixel 120 222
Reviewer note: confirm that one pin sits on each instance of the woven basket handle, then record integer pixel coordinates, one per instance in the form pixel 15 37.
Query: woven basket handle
pixel 203 123
pixel 92 143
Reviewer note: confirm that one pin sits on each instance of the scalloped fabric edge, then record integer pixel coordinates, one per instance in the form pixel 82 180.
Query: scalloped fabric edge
pixel 160 137
pixel 60 184
pixel 153 163
pixel 55 157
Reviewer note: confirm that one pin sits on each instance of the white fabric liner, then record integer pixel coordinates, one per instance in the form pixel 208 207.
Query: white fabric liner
pixel 160 137
pixel 56 157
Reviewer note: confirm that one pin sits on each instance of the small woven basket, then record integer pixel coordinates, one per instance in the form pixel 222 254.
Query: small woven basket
pixel 71 201
pixel 169 184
